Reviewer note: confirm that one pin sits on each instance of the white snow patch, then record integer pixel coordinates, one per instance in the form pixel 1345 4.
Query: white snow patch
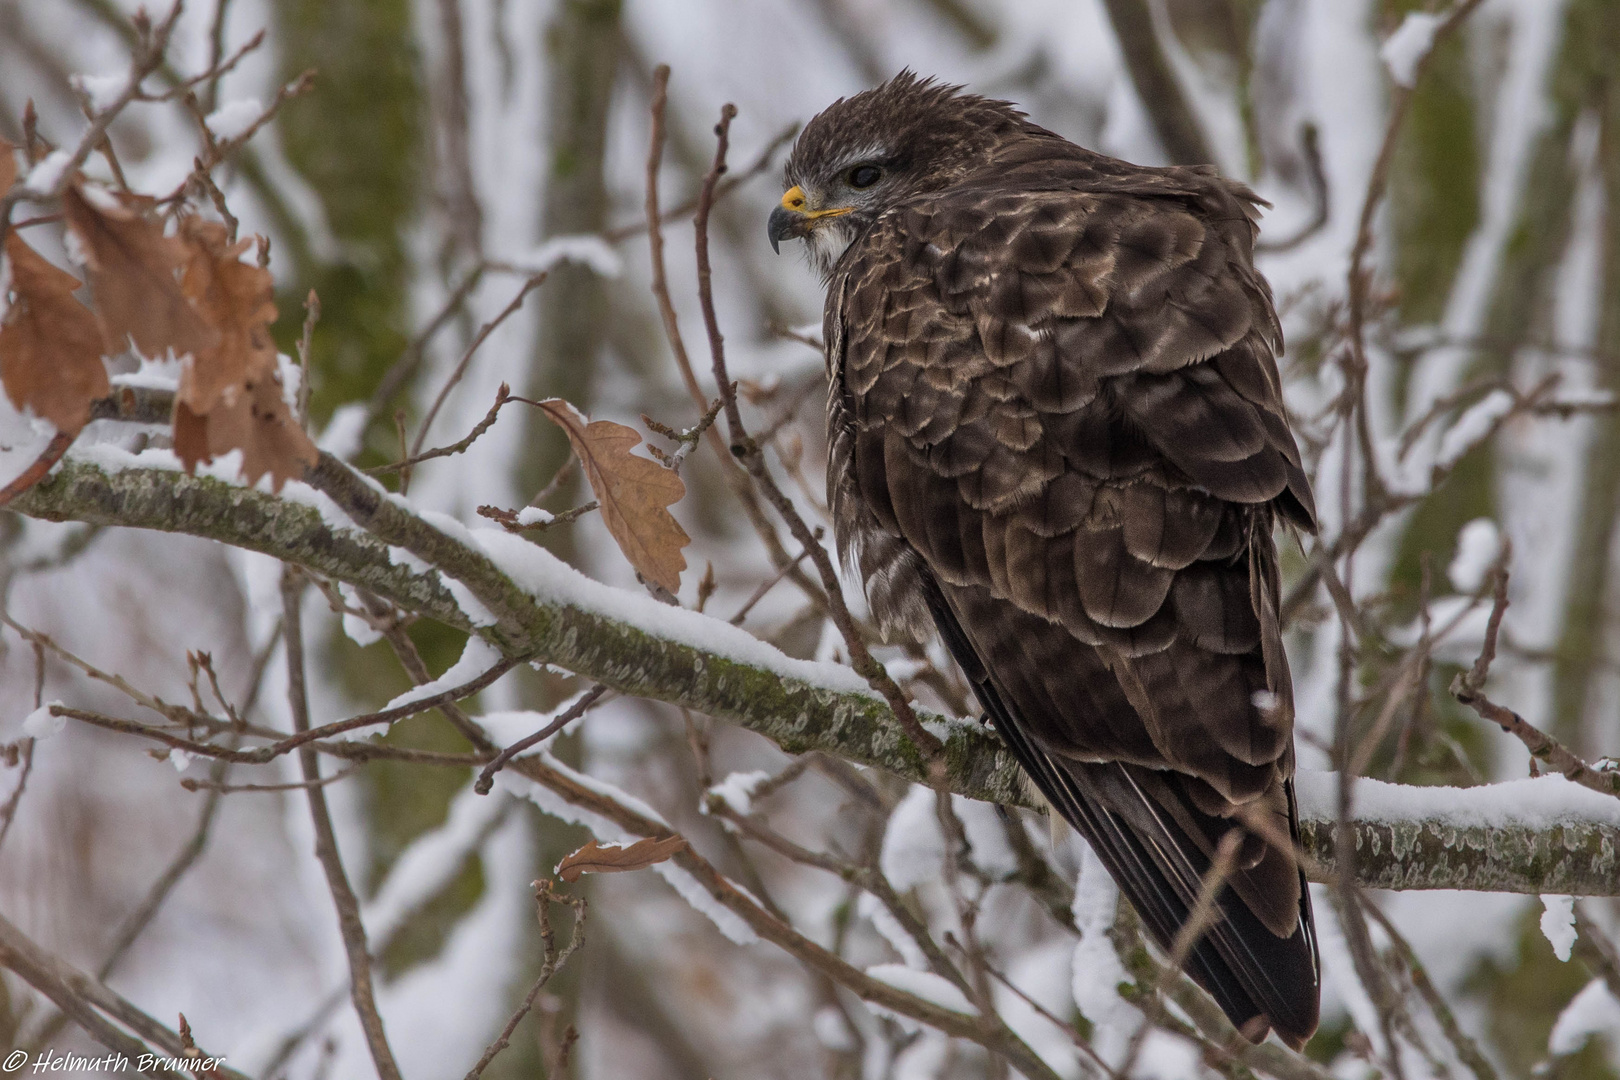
pixel 1096 970
pixel 1473 425
pixel 476 658
pixel 934 989
pixel 737 791
pixel 883 920
pixel 357 628
pixel 430 862
pixel 605 829
pixel 162 373
pixel 1537 803
pixel 46 177
pixel 546 577
pixel 1405 49
pixel 42 723
pixel 1558 924
pixel 533 515
pixel 1592 1011
pixel 343 433
pixel 103 91
pixel 1478 544
pixel 831 1030
pixel 180 759
pixel 233 119
pixel 585 250
pixel 913 845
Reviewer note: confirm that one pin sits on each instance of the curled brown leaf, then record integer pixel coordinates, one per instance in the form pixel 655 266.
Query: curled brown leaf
pixel 230 395
pixel 635 493
pixel 8 166
pixel 595 858
pixel 133 269
pixel 50 346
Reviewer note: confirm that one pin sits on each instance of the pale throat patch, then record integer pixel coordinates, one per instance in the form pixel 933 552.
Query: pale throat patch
pixel 827 242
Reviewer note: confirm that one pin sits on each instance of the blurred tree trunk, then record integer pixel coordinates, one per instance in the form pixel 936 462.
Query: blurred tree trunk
pixel 582 50
pixel 357 139
pixel 1161 94
pixel 1592 81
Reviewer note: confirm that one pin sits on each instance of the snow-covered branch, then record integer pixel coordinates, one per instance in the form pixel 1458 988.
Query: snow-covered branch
pixel 1531 836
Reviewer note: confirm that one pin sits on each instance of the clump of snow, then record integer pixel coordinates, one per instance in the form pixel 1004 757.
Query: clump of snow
pixel 691 890
pixel 533 515
pixel 477 657
pixel 873 910
pixel 737 791
pixel 431 861
pixel 1405 49
pixel 1478 544
pixel 1096 970
pixel 357 628
pixel 343 433
pixel 1592 1011
pixel 541 574
pixel 913 845
pixel 934 989
pixel 42 723
pixel 233 119
pixel 46 177
pixel 585 250
pixel 831 1030
pixel 1473 425
pixel 102 91
pixel 162 373
pixel 180 759
pixel 1558 924
pixel 1535 803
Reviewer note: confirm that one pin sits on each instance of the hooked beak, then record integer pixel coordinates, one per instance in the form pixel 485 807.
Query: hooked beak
pixel 794 219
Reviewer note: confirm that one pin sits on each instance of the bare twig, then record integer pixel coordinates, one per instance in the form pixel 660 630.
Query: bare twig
pixel 502 397
pixel 581 705
pixel 326 849
pixel 753 460
pixel 466 357
pixel 545 895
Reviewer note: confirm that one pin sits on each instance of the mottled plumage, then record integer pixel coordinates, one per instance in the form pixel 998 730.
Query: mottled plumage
pixel 1058 438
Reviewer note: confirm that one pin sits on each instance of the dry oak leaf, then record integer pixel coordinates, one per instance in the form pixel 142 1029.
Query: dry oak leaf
pixel 8 166
pixel 635 492
pixel 230 395
pixel 593 858
pixel 133 269
pixel 50 346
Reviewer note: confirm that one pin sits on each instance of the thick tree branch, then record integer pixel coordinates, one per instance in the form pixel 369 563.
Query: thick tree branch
pixel 799 706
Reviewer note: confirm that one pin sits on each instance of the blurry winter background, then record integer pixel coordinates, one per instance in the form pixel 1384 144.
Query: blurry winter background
pixel 443 149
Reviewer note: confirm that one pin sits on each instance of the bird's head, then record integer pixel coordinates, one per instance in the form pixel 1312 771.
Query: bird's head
pixel 864 154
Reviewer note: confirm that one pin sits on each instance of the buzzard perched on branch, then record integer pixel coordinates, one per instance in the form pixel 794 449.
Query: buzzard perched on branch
pixel 1058 438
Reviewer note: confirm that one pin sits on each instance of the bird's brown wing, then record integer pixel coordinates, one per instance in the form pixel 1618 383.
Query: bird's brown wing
pixel 1057 432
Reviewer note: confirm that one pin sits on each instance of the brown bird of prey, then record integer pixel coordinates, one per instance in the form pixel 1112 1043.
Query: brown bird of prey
pixel 1057 437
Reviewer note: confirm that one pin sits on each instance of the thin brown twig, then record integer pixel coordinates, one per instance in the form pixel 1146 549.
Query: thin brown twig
pixel 1467 1049
pixel 502 397
pixel 753 459
pixel 1468 688
pixel 460 369
pixel 545 895
pixel 736 479
pixel 262 754
pixel 1203 915
pixel 581 705
pixel 326 849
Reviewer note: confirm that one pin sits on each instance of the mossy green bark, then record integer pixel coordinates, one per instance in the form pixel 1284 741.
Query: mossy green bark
pixel 796 713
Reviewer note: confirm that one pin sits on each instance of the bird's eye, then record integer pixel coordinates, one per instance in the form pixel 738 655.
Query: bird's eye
pixel 864 176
